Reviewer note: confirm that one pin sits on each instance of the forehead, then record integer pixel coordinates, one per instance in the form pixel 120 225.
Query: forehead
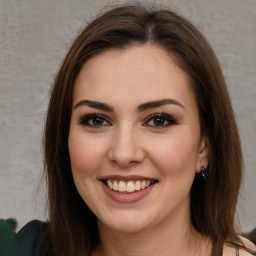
pixel 142 73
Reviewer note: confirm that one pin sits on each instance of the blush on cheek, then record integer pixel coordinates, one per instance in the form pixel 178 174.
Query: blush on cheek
pixel 84 157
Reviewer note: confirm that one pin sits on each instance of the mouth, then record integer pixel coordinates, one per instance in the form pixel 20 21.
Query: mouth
pixel 128 186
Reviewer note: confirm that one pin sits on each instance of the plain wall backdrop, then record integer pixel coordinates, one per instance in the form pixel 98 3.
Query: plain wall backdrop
pixel 34 37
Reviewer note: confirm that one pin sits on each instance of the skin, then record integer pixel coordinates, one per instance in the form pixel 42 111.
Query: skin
pixel 127 142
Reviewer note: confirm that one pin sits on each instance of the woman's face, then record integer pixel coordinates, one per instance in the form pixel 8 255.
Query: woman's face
pixel 134 139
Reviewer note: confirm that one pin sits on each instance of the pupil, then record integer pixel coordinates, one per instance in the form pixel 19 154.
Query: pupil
pixel 159 121
pixel 98 121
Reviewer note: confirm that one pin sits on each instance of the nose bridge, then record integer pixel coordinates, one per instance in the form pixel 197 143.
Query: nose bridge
pixel 125 148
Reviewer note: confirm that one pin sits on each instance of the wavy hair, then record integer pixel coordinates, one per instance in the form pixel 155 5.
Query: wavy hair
pixel 73 227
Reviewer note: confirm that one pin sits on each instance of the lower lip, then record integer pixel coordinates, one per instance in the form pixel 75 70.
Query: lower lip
pixel 127 197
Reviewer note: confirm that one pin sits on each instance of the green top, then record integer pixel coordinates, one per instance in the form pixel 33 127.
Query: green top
pixel 27 242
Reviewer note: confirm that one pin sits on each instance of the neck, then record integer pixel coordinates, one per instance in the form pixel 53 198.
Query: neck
pixel 166 239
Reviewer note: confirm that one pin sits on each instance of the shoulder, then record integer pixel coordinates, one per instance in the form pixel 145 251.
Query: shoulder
pixel 28 241
pixel 231 251
pixel 7 228
pixel 31 238
pixel 248 244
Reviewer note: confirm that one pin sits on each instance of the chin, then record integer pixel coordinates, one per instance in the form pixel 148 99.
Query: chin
pixel 129 223
pixel 127 228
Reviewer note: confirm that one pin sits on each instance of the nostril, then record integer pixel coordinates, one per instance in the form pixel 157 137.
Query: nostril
pixel 125 150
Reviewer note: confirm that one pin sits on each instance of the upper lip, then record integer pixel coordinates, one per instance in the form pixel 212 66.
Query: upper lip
pixel 125 178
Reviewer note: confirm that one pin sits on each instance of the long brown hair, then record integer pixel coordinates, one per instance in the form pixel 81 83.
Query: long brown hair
pixel 73 227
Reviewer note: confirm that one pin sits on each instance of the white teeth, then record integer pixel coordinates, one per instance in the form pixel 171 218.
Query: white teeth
pixel 122 186
pixel 128 187
pixel 115 186
pixel 110 185
pixel 138 185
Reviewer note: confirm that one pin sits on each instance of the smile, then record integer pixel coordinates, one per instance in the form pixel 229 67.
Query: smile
pixel 127 189
pixel 128 186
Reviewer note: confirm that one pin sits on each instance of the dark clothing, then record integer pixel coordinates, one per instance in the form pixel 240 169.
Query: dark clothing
pixel 29 241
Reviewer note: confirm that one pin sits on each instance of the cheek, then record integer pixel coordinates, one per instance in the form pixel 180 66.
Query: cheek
pixel 85 155
pixel 175 155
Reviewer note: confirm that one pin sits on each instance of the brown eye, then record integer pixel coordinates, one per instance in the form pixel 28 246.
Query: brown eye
pixel 94 120
pixel 97 121
pixel 160 121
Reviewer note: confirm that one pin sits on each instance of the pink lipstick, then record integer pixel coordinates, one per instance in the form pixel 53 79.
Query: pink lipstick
pixel 127 189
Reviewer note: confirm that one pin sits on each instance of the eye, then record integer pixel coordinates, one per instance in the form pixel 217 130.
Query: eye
pixel 94 120
pixel 160 120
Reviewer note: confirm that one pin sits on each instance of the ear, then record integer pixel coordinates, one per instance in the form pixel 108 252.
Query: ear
pixel 203 153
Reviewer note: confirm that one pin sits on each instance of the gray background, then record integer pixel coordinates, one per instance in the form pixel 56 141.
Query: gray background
pixel 34 37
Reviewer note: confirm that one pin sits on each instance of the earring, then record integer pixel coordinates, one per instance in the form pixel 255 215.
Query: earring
pixel 203 172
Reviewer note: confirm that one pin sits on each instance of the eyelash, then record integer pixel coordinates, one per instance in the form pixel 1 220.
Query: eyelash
pixel 171 120
pixel 84 120
pixel 163 117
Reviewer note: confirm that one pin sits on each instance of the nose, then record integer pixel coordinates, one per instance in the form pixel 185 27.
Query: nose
pixel 126 148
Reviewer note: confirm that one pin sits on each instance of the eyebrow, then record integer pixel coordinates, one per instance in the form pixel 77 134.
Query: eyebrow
pixel 158 103
pixel 140 108
pixel 94 104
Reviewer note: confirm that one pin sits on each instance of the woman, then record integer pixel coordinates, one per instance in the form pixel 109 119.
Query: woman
pixel 142 152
